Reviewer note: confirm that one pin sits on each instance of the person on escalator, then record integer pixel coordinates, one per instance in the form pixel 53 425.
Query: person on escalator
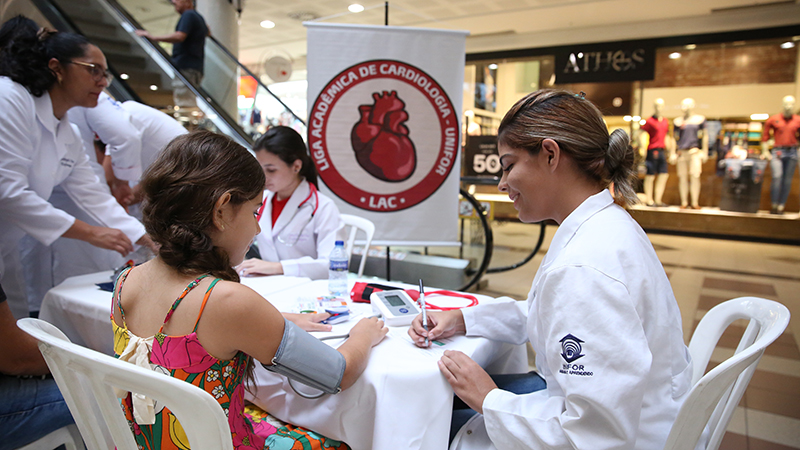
pixel 188 49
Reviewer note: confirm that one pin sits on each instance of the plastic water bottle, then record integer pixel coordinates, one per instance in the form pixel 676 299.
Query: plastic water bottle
pixel 337 271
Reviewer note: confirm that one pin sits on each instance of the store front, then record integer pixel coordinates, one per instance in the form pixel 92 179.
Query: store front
pixel 717 90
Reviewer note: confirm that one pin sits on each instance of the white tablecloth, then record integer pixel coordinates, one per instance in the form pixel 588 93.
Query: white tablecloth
pixel 82 310
pixel 401 401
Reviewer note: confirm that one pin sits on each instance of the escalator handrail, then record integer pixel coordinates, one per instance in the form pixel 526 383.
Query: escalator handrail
pixel 254 76
pixel 196 90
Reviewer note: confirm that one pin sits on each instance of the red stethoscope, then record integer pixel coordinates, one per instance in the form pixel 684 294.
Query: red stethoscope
pixel 414 294
pixel 312 190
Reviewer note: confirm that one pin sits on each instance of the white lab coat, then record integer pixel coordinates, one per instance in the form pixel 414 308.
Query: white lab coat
pixel 308 257
pixel 114 127
pixel 157 129
pixel 600 286
pixel 38 152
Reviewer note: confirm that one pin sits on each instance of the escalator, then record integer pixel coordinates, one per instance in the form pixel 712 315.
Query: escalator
pixel 144 71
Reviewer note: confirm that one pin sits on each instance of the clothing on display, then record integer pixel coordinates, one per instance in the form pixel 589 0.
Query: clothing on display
pixel 784 130
pixel 656 161
pixel 688 131
pixel 657 129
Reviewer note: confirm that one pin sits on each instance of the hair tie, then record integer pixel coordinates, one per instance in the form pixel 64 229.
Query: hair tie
pixel 581 95
pixel 44 33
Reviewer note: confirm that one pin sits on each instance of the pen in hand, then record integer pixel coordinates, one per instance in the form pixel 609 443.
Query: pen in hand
pixel 424 312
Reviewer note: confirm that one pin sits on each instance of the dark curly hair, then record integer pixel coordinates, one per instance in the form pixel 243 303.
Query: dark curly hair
pixel 288 145
pixel 181 188
pixel 25 52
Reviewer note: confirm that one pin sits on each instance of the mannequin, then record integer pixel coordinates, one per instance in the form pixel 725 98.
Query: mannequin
pixel 692 145
pixel 781 132
pixel 659 146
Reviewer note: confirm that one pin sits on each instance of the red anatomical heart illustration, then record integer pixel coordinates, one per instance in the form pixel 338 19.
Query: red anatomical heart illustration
pixel 380 140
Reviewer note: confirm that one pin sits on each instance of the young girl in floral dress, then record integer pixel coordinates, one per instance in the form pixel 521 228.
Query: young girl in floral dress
pixel 199 324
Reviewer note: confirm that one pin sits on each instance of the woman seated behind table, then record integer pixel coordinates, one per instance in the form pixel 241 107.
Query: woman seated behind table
pixel 299 225
pixel 601 316
pixel 185 310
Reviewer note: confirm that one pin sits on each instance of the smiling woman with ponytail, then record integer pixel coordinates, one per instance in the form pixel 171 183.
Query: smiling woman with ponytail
pixel 612 366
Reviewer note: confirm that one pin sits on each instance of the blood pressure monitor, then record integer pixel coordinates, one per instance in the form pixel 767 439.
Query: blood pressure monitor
pixel 396 307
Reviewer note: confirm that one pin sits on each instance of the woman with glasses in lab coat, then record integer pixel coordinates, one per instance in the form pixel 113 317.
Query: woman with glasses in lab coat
pixel 42 75
pixel 299 226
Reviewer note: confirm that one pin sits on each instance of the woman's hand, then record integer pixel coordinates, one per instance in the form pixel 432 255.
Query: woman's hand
pixel 469 381
pixel 103 237
pixel 147 242
pixel 256 266
pixel 309 321
pixel 441 324
pixel 371 329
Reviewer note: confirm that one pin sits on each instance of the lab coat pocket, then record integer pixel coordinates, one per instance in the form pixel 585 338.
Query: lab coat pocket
pixel 682 382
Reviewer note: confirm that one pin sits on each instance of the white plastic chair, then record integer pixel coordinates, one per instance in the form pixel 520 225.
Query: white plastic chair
pixel 68 436
pixel 358 223
pixel 86 377
pixel 715 395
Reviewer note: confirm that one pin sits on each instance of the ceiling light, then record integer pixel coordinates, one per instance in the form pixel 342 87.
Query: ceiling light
pixel 690 47
pixel 788 44
pixel 759 116
pixel 627 118
pixel 493 66
pixel 153 87
pixel 355 8
pixel 642 122
pixel 674 55
pixel 636 118
pixel 267 24
pixel 124 76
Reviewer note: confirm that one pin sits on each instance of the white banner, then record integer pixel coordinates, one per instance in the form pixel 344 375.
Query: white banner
pixel 383 126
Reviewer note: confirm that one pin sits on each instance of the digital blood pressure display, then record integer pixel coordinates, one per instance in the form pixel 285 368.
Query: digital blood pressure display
pixel 396 307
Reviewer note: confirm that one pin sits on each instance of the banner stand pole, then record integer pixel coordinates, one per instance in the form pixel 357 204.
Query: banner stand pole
pixel 386 13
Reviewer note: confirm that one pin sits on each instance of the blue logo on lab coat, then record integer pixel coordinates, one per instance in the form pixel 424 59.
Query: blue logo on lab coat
pixel 570 348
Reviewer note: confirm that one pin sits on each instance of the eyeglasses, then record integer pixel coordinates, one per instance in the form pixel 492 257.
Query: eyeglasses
pixel 97 72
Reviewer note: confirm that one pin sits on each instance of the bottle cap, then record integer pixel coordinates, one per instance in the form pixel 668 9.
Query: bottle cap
pixel 339 243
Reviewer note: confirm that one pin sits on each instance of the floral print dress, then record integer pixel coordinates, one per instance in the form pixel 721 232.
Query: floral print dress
pixel 183 357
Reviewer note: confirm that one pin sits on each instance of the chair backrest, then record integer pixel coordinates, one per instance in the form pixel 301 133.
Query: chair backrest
pixel 358 223
pixel 715 395
pixel 86 377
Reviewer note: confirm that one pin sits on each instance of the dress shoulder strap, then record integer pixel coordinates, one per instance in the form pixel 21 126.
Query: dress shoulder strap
pixel 117 294
pixel 177 302
pixel 205 299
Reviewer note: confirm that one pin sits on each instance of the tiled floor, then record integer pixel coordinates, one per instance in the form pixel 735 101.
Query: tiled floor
pixel 704 272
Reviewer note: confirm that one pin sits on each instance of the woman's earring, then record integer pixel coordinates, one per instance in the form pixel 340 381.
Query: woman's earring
pixel 58 78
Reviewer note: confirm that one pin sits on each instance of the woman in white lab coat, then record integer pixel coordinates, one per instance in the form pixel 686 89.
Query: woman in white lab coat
pixel 42 75
pixel 600 315
pixel 299 226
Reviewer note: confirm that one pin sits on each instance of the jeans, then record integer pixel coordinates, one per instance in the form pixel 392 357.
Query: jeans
pixel 30 408
pixel 518 383
pixel 784 160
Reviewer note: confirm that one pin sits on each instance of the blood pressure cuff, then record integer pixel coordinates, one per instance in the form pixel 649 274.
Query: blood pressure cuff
pixel 361 291
pixel 304 358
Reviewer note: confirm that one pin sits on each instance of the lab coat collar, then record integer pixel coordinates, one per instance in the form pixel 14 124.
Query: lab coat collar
pixel 60 128
pixel 574 221
pixel 44 112
pixel 300 193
